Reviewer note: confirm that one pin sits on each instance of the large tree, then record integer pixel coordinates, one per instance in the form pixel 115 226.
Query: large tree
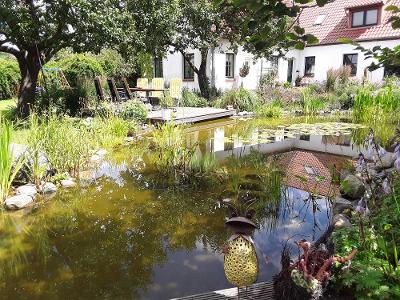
pixel 35 30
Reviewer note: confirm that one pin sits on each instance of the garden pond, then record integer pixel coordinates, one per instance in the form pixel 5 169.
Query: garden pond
pixel 123 235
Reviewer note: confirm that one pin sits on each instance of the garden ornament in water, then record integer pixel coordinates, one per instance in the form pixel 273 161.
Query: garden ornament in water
pixel 240 261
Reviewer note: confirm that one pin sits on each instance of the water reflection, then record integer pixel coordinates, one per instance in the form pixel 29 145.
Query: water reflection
pixel 122 237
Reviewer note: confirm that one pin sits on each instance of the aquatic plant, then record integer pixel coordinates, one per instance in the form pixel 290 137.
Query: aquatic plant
pixel 8 166
pixel 241 99
pixel 310 103
pixel 273 110
pixel 382 106
pixel 172 152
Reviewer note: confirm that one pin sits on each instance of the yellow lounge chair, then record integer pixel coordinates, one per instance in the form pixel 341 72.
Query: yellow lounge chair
pixel 157 83
pixel 175 88
pixel 144 84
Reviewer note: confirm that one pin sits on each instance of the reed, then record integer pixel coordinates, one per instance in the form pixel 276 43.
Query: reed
pixel 8 167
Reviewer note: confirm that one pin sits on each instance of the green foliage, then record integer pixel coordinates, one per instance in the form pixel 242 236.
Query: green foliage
pixel 8 167
pixel 191 99
pixel 77 67
pixel 273 110
pixel 311 103
pixel 167 101
pixel 113 64
pixel 10 78
pixel 375 270
pixel 382 106
pixel 241 99
pixel 134 110
pixel 171 151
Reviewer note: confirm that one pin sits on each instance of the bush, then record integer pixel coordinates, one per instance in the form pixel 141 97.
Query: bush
pixel 167 101
pixel 134 110
pixel 191 99
pixel 241 99
pixel 375 270
pixel 79 66
pixel 10 78
pixel 59 100
pixel 273 110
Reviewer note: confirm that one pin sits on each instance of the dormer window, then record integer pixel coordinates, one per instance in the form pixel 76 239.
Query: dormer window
pixel 367 17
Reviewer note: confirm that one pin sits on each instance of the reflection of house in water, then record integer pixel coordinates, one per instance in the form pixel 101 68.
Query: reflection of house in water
pixel 223 143
pixel 315 167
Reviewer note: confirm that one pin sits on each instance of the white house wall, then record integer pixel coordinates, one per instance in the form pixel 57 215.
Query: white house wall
pixel 173 68
pixel 331 56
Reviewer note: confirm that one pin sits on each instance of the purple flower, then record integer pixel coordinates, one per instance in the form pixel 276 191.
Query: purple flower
pixel 386 187
pixel 397 164
pixel 397 151
pixel 382 152
pixel 360 206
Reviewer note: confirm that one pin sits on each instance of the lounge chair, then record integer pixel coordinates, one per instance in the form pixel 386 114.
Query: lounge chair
pixel 99 90
pixel 115 94
pixel 175 88
pixel 157 83
pixel 127 88
pixel 144 84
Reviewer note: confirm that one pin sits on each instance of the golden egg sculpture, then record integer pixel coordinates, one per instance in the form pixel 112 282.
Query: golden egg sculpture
pixel 240 262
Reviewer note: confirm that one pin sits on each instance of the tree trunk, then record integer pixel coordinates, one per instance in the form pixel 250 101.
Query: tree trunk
pixel 29 66
pixel 204 81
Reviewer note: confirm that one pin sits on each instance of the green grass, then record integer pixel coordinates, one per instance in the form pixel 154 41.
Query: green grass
pixel 6 104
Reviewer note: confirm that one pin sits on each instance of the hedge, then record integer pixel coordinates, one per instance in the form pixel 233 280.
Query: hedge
pixel 10 78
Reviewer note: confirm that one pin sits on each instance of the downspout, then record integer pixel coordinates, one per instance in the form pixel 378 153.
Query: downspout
pixel 213 67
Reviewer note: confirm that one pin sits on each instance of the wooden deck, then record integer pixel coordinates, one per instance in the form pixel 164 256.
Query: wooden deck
pixel 259 291
pixel 184 115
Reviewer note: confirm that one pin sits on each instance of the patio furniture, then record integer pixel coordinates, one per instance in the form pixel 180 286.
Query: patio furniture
pixel 127 89
pixel 116 94
pixel 99 90
pixel 175 88
pixel 142 83
pixel 157 83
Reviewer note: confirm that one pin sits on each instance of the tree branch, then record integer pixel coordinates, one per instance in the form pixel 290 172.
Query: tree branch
pixel 11 49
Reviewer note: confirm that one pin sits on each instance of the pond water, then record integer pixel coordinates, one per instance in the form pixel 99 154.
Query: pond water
pixel 120 236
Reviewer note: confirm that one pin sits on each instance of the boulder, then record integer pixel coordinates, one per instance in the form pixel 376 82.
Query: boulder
pixel 68 183
pixel 49 188
pixel 344 173
pixel 18 202
pixel 341 221
pixel 352 188
pixel 27 189
pixel 386 162
pixel 340 204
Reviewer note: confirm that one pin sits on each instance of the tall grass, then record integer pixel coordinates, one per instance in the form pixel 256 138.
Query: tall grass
pixel 8 169
pixel 241 99
pixel 380 106
pixel 172 150
pixel 311 103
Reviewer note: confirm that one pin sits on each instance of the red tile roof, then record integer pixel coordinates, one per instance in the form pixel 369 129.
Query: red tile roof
pixel 337 24
pixel 295 162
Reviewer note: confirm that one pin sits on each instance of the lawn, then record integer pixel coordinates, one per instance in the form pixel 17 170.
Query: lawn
pixel 5 104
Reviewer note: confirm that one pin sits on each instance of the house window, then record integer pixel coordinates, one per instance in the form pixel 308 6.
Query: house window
pixel 319 19
pixel 188 72
pixel 158 68
pixel 309 66
pixel 352 61
pixel 230 65
pixel 364 18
